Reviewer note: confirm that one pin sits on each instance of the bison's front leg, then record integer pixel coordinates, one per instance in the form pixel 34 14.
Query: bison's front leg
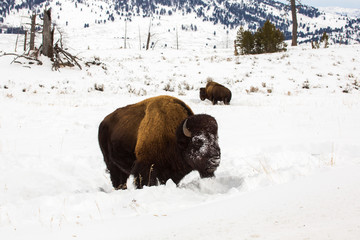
pixel 226 101
pixel 145 174
pixel 118 175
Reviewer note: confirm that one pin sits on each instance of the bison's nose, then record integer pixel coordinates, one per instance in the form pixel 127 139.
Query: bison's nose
pixel 215 161
pixel 216 154
pixel 213 164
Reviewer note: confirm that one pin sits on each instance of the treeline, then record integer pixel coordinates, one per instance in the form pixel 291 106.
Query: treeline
pixel 7 5
pixel 13 30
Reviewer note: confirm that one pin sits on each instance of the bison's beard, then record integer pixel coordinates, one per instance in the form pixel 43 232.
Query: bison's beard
pixel 205 166
pixel 213 164
pixel 207 174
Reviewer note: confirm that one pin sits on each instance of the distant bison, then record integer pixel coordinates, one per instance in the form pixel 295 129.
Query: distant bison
pixel 158 139
pixel 215 92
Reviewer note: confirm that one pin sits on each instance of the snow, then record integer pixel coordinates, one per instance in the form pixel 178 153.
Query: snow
pixel 290 144
pixel 349 12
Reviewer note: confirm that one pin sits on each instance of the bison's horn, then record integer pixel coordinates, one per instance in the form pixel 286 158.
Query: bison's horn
pixel 186 130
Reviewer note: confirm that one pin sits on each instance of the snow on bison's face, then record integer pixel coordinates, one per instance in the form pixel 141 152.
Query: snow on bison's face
pixel 202 151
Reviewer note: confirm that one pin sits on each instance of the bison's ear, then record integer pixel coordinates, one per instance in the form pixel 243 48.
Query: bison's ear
pixel 186 131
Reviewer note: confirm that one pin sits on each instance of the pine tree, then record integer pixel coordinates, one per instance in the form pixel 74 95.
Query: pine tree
pixel 247 43
pixel 267 39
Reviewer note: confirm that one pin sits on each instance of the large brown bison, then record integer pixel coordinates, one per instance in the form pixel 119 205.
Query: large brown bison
pixel 215 92
pixel 158 139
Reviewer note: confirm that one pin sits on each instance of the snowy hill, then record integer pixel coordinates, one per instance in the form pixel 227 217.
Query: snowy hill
pixel 347 12
pixel 289 139
pixel 198 16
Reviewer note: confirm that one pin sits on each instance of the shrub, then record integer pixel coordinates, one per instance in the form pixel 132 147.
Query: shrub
pixel 99 87
pixel 324 39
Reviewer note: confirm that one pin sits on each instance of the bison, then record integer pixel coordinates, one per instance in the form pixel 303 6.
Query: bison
pixel 215 92
pixel 158 139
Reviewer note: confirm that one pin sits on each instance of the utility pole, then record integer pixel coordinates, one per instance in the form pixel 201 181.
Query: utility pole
pixel 177 39
pixel 125 34
pixel 148 38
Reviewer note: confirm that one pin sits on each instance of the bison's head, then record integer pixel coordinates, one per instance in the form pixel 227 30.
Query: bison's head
pixel 202 94
pixel 198 141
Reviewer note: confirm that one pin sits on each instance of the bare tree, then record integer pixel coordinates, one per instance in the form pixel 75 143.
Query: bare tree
pixel 56 53
pixel 293 5
pixel 32 32
pixel 295 24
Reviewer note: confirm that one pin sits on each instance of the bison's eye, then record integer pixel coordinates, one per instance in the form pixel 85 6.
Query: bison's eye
pixel 198 142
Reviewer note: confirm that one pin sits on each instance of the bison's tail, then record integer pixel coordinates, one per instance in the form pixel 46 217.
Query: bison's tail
pixel 103 140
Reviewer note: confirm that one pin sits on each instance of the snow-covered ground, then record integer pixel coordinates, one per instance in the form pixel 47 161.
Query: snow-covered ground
pixel 290 142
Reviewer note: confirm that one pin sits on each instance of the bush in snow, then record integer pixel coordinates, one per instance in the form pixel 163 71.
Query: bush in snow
pixel 99 87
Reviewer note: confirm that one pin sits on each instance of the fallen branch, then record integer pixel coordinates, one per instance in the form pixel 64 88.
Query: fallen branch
pixel 59 54
pixel 17 56
pixel 92 63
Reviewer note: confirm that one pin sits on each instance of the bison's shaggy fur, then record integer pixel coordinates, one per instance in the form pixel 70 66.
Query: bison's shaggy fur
pixel 215 92
pixel 158 139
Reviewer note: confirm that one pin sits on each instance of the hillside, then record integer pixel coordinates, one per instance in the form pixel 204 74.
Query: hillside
pixel 200 17
pixel 349 12
pixel 289 142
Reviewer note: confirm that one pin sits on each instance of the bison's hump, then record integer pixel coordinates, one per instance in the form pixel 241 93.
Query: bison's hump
pixel 156 138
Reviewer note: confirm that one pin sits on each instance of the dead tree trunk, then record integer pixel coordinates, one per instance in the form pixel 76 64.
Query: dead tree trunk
pixel 32 32
pixel 48 35
pixel 295 24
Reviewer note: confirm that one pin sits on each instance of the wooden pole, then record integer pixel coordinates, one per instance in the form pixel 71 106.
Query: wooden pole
pixel 125 34
pixel 177 39
pixel 25 39
pixel 148 38
pixel 139 38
